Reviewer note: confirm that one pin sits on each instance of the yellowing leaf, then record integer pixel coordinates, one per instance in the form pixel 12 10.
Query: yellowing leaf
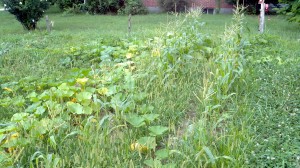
pixel 103 91
pixel 82 81
pixel 73 100
pixel 156 53
pixel 7 89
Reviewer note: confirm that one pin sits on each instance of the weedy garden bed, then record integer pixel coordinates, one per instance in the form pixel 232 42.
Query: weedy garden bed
pixel 178 97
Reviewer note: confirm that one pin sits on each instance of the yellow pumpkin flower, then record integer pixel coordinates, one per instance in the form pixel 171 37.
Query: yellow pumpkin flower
pixel 139 147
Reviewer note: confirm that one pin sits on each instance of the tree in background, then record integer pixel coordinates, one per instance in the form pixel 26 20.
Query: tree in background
pixel 292 10
pixel 174 5
pixel 27 12
pixel 252 5
pixel 66 4
pixel 103 6
pixel 218 6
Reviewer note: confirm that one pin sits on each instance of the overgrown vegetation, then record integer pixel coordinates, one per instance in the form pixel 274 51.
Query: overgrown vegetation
pixel 177 97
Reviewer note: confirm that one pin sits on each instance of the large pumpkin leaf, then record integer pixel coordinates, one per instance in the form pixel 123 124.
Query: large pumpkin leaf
pixel 135 120
pixel 157 130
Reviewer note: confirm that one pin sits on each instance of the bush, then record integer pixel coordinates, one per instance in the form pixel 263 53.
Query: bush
pixel 133 7
pixel 103 6
pixel 115 6
pixel 27 12
pixel 174 5
pixel 67 4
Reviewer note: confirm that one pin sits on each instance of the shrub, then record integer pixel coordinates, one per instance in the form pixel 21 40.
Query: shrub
pixel 133 7
pixel 115 6
pixel 104 6
pixel 66 4
pixel 27 12
pixel 174 5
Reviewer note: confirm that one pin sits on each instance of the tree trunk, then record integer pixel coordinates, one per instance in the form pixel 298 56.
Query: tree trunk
pixel 218 6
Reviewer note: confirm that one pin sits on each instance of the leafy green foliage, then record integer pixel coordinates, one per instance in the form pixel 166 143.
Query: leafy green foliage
pixel 133 7
pixel 292 10
pixel 67 4
pixel 27 12
pixel 174 6
pixel 113 6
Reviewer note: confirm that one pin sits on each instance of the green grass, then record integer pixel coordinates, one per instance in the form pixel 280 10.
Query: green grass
pixel 265 94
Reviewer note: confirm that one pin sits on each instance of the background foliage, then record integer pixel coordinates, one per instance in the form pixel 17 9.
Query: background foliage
pixel 27 12
pixel 172 6
pixel 292 11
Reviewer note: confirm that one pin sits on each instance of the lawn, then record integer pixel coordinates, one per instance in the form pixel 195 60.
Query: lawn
pixel 178 91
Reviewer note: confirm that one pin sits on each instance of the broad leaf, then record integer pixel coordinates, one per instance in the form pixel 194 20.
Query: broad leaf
pixel 162 153
pixel 75 108
pixel 150 117
pixel 83 96
pixel 19 117
pixel 150 142
pixel 157 130
pixel 135 120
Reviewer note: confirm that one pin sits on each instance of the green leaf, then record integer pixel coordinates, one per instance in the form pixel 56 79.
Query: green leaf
pixel 19 117
pixel 83 96
pixel 63 86
pixel 40 110
pixel 150 117
pixel 75 108
pixel 33 107
pixel 162 153
pixel 44 96
pixel 157 130
pixel 52 141
pixel 150 142
pixel 33 97
pixel 135 120
pixel 87 110
pixel 169 165
pixel 19 101
pixel 153 163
